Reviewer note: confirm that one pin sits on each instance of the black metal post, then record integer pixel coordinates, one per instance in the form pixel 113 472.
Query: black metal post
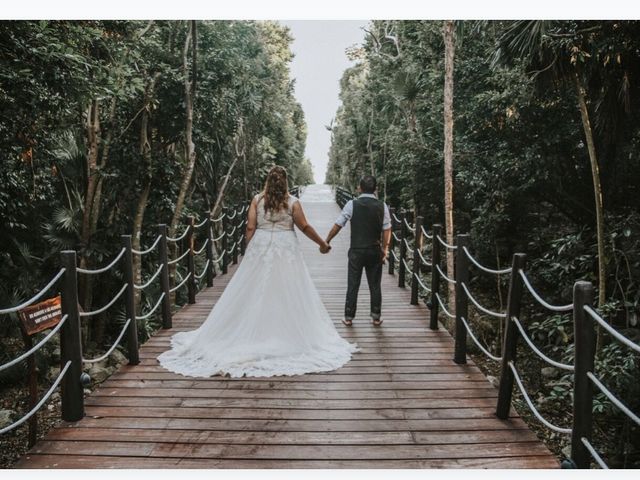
pixel 130 302
pixel 510 342
pixel 209 250
pixel 392 243
pixel 72 391
pixel 403 250
pixel 191 266
pixel 585 350
pixel 163 254
pixel 435 277
pixel 462 302
pixel 417 245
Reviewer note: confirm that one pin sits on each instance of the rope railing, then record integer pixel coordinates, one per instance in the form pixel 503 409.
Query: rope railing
pixel 201 224
pixel 613 399
pixel 204 270
pixel 424 232
pixel 480 307
pixel 219 219
pixel 150 249
pixel 36 297
pixel 176 260
pixel 398 220
pixel 231 217
pixel 405 265
pixel 445 244
pixel 537 351
pixel 443 275
pixel 594 454
pixel 230 234
pixel 541 301
pixel 153 309
pixel 106 307
pixel 477 342
pixel 180 237
pixel 113 347
pixel 424 261
pixel 443 307
pixel 181 284
pixel 39 405
pixel 422 285
pixel 406 244
pixel 618 336
pixel 103 269
pixel 150 281
pixel 395 257
pixel 36 347
pixel 220 257
pixel 482 267
pixel 219 238
pixel 397 239
pixel 532 407
pixel 408 225
pixel 204 245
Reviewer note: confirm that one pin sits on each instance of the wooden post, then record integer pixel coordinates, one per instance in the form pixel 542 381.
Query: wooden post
pixel 32 385
pixel 225 240
pixel 392 243
pixel 163 254
pixel 243 226
pixel 209 250
pixel 510 341
pixel 130 302
pixel 191 268
pixel 417 245
pixel 403 250
pixel 72 394
pixel 236 225
pixel 585 350
pixel 435 277
pixel 462 302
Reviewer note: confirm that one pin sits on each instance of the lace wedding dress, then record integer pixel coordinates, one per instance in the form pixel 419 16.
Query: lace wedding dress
pixel 270 319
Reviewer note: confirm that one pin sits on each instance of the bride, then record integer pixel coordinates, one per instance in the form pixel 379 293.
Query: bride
pixel 270 319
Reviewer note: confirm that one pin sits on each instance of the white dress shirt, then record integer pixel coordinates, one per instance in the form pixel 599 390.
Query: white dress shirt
pixel 347 213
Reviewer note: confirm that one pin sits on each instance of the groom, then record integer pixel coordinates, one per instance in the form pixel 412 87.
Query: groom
pixel 370 222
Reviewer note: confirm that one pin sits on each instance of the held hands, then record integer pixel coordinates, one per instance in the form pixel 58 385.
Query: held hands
pixel 325 247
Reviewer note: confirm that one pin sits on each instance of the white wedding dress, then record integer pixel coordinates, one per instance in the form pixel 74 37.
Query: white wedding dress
pixel 270 319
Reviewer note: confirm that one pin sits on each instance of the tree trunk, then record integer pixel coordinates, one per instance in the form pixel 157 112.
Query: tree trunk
pixel 239 153
pixel 449 51
pixel 190 153
pixel 597 191
pixel 92 131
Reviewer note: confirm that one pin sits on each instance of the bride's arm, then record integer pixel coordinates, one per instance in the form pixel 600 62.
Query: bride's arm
pixel 252 220
pixel 301 222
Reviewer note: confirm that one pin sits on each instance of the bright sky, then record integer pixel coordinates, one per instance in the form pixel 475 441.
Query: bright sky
pixel 320 59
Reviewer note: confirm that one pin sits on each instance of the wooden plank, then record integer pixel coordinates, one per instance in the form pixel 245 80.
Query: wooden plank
pixel 91 461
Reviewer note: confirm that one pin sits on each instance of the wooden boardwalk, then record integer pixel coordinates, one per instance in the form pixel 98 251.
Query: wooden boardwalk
pixel 399 403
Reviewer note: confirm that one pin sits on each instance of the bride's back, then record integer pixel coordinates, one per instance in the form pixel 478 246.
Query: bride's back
pixel 281 220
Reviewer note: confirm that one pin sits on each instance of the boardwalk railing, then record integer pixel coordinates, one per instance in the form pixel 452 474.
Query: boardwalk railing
pixel 219 242
pixel 408 253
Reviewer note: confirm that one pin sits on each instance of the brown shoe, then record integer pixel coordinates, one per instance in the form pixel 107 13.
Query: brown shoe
pixel 376 322
pixel 347 321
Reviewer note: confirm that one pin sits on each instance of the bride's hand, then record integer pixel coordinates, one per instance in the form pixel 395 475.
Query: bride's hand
pixel 325 247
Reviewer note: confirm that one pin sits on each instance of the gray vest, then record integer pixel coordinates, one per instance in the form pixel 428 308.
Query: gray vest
pixel 366 222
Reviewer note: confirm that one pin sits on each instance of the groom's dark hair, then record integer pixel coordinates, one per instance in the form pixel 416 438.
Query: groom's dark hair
pixel 368 184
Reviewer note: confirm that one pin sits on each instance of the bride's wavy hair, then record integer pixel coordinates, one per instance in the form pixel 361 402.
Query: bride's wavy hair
pixel 276 190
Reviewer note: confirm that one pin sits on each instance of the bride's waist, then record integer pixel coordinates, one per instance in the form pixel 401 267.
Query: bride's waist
pixel 274 230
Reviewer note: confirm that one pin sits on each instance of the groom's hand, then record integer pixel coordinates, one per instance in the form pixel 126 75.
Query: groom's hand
pixel 384 253
pixel 325 248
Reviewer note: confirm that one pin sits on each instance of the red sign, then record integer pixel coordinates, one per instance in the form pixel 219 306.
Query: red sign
pixel 41 316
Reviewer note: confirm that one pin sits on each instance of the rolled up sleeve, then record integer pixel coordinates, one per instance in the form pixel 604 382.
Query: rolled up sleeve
pixel 345 215
pixel 386 220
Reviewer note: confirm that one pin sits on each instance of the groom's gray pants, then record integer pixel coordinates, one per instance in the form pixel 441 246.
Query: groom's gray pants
pixel 371 260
